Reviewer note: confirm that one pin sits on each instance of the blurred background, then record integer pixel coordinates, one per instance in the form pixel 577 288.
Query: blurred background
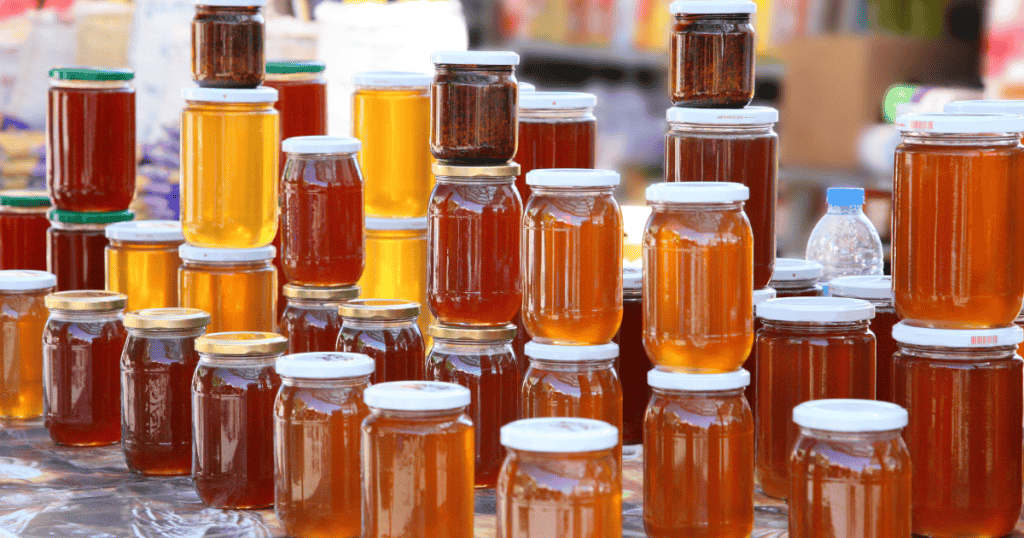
pixel 838 70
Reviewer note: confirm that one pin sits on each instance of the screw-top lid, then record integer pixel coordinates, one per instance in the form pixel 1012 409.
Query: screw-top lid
pixel 474 57
pixel 940 122
pixel 497 171
pixel 85 300
pixel 291 67
pixel 762 295
pixel 525 87
pixel 711 7
pixel 697 192
pixel 535 100
pixel 261 94
pixel 321 145
pixel 876 287
pixel 19 198
pixel 91 73
pixel 559 435
pixel 392 79
pixel 850 416
pixel 192 253
pixel 552 352
pixel 906 333
pixel 790 269
pixel 230 3
pixel 750 115
pixel 816 309
pixel 336 293
pixel 146 230
pixel 416 396
pixel 242 344
pixel 167 318
pixel 845 197
pixel 572 177
pixel 74 217
pixel 325 365
pixel 632 278
pixel 384 223
pixel 990 106
pixel 26 280
pixel 665 380
pixel 497 333
pixel 379 309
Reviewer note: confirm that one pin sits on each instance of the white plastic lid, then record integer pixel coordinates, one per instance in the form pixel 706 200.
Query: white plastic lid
pixel 862 287
pixel 905 333
pixel 384 223
pixel 200 254
pixel 632 278
pixel 557 100
pixel 816 309
pixel 474 57
pixel 230 3
pixel 707 7
pixel 850 416
pixel 763 295
pixel 941 122
pixel 416 396
pixel 560 435
pixel 751 115
pixel 992 106
pixel 572 177
pixel 26 279
pixel 325 365
pixel 145 230
pixel 660 379
pixel 392 79
pixel 525 87
pixel 790 269
pixel 261 94
pixel 551 352
pixel 321 144
pixel 697 192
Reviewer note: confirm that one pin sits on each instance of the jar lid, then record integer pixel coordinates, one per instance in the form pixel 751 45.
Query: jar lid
pixel 559 435
pixel 290 67
pixel 762 295
pixel 632 278
pixel 749 115
pixel 393 79
pixel 325 365
pixel 230 3
pixel 535 100
pixel 320 145
pixel 261 94
pixel 474 57
pixel 862 287
pixel 74 217
pixel 711 7
pixel 552 352
pixel 939 122
pixel 697 192
pixel 26 280
pixel 477 334
pixel 510 169
pixel 85 300
pixel 200 254
pixel 987 106
pixel 905 333
pixel 167 318
pixel 379 309
pixel 816 309
pixel 384 223
pixel 242 344
pixel 572 177
pixel 850 416
pixel 146 230
pixel 333 293
pixel 19 198
pixel 661 379
pixel 91 73
pixel 789 269
pixel 416 396
pixel 525 87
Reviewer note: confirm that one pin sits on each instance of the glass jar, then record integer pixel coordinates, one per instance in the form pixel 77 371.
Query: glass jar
pixel 809 348
pixel 229 185
pixel 157 364
pixel 238 287
pixel 90 139
pixel 417 456
pixel 311 322
pixel 386 331
pixel 301 98
pixel 23 225
pixel 712 54
pixel 317 419
pixel 698 456
pixel 556 130
pixel 76 245
pixel 877 290
pixel 397 248
pixel 794 277
pixel 227 43
pixel 698 268
pixel 22 321
pixel 474 105
pixel 962 170
pixel 572 257
pixel 391 116
pixel 233 394
pixel 633 363
pixel 962 389
pixel 560 478
pixel 322 212
pixel 82 345
pixel 750 365
pixel 142 262
pixel 474 223
pixel 850 471
pixel 482 360
pixel 731 145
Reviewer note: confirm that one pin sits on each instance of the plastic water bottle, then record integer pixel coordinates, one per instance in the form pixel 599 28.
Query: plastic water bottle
pixel 844 241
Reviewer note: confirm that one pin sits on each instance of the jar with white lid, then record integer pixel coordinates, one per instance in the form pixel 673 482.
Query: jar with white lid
pixel 238 287
pixel 876 289
pixel 794 277
pixel 556 130
pixel 142 262
pixel 750 364
pixel 23 317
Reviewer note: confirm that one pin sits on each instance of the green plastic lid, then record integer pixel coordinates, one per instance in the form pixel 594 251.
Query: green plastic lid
pixel 24 198
pixel 91 73
pixel 73 217
pixel 287 67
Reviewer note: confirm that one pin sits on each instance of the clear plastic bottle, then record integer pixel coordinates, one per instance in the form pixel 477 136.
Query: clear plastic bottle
pixel 844 241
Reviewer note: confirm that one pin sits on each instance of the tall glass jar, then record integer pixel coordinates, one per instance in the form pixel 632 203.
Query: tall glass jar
pixel 386 331
pixel 750 364
pixel 794 277
pixel 227 43
pixel 398 250
pixel 23 225
pixel 633 363
pixel 22 322
pixel 142 262
pixel 556 130
pixel 301 98
pixel 238 287
pixel 311 321
pixel 877 290
pixel 711 56
pixel 76 248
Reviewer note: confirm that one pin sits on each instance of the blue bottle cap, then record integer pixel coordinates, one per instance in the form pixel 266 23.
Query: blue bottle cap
pixel 845 197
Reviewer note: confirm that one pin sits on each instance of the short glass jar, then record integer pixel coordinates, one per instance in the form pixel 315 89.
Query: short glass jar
pixel 76 248
pixel 23 225
pixel 794 277
pixel 227 43
pixel 238 287
pixel 311 321
pixel 23 317
pixel 387 332
pixel 711 56
pixel 556 130
pixel 142 262
pixel 877 290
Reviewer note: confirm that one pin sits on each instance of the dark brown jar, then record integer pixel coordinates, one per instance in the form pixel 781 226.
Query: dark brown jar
pixel 227 43
pixel 711 60
pixel 474 107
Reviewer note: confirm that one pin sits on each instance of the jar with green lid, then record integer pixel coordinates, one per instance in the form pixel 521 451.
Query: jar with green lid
pixel 23 226
pixel 75 247
pixel 301 98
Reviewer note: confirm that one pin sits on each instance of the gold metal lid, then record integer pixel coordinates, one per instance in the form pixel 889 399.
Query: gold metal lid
pixel 479 334
pixel 509 169
pixel 341 293
pixel 167 318
pixel 379 309
pixel 86 300
pixel 242 344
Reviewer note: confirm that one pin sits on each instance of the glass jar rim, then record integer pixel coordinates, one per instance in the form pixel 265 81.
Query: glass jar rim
pixel 495 334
